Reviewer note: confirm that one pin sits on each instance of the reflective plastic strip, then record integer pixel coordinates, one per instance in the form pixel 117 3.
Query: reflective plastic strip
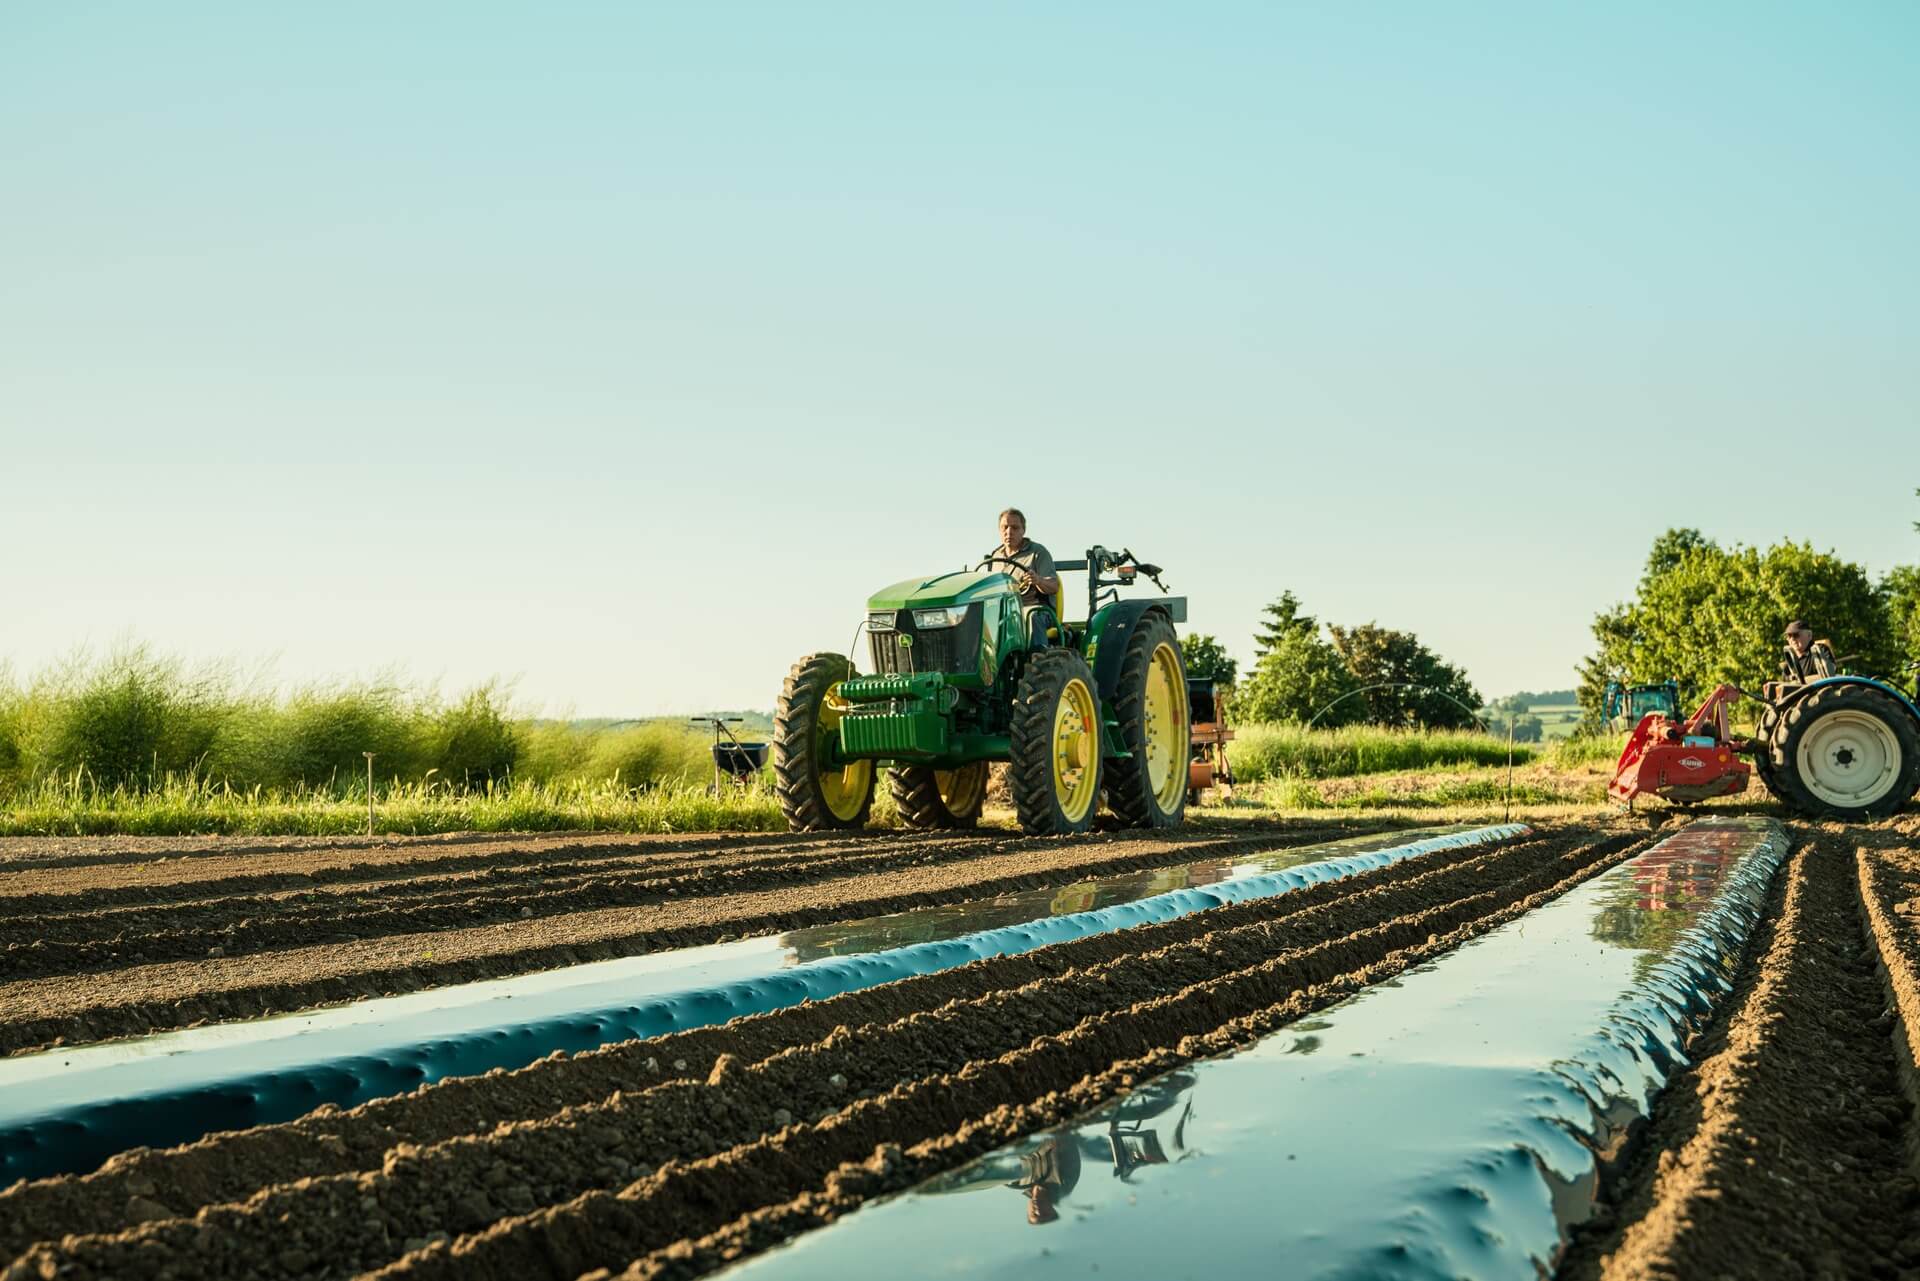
pixel 216 1089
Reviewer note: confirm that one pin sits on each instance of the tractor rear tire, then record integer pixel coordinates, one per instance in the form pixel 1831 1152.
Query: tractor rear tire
pixel 1776 786
pixel 1846 752
pixel 1149 788
pixel 939 798
pixel 1054 770
pixel 806 720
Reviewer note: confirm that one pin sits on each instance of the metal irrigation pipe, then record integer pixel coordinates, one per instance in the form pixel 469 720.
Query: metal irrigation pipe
pixel 369 756
pixel 1399 685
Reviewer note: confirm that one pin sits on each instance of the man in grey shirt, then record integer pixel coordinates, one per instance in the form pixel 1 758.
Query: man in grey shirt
pixel 1033 574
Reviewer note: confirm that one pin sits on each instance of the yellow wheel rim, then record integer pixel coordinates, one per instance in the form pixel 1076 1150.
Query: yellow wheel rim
pixel 1076 750
pixel 1168 734
pixel 961 789
pixel 844 790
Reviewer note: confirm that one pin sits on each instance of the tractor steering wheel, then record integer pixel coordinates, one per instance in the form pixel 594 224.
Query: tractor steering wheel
pixel 1007 560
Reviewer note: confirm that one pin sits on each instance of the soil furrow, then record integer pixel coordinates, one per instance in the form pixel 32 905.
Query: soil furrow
pixel 953 1016
pixel 232 867
pixel 1780 1151
pixel 59 886
pixel 89 914
pixel 74 945
pixel 147 997
pixel 1887 889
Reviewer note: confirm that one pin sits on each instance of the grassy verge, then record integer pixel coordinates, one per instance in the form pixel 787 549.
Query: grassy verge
pixel 193 808
pixel 1263 752
pixel 641 778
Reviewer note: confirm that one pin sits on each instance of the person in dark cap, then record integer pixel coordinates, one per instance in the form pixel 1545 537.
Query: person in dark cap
pixel 1806 659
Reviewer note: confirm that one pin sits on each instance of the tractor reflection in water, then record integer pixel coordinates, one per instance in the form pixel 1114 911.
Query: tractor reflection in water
pixel 1662 899
pixel 1047 1168
pixel 931 925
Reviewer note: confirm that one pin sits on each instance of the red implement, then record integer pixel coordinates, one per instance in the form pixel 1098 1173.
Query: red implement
pixel 1684 763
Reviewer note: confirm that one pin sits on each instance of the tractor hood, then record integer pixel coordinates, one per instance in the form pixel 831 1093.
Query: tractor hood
pixel 957 588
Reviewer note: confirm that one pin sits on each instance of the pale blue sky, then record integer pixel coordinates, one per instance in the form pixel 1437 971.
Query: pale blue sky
pixel 625 348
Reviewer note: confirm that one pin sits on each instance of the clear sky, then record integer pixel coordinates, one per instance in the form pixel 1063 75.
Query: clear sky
pixel 624 348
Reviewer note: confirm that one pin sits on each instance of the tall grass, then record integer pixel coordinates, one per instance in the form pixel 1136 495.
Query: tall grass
pixel 1262 752
pixel 135 722
pixel 1586 749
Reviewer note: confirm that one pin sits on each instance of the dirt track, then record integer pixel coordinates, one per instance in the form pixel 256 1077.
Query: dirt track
pixel 670 1155
pixel 109 947
pixel 1786 1149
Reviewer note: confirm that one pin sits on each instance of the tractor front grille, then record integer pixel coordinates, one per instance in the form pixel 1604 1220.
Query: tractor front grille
pixel 952 651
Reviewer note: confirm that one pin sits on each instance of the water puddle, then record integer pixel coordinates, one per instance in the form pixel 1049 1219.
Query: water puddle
pixel 1450 1123
pixel 69 1109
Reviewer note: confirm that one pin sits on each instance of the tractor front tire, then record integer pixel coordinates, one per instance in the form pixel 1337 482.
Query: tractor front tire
pixel 939 798
pixel 1149 788
pixel 1846 752
pixel 814 796
pixel 1054 772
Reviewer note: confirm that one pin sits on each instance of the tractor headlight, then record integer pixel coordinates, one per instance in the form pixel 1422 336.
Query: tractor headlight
pixel 947 616
pixel 881 620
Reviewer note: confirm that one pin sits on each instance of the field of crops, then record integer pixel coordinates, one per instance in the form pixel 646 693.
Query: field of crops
pixel 1784 1134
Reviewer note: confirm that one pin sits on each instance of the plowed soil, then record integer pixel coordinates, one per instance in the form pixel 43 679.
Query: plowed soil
pixel 135 938
pixel 672 1156
pixel 1786 1150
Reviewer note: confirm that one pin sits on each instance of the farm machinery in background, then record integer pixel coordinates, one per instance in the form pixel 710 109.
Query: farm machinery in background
pixel 1100 711
pixel 1631 703
pixel 1208 765
pixel 1842 747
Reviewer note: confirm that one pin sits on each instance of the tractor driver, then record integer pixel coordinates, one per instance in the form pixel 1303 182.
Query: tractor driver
pixel 1032 572
pixel 1806 659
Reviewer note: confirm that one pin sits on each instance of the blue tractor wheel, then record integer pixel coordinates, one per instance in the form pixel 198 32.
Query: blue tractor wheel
pixel 1845 751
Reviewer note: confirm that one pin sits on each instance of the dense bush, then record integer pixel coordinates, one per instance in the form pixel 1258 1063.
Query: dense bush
pixel 129 720
pixel 1703 614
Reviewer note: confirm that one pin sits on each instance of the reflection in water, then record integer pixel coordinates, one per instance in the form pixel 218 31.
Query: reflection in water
pixel 1649 910
pixel 935 924
pixel 1046 1168
pixel 929 925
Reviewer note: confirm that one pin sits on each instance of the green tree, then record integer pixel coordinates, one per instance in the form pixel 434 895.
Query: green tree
pixel 1283 619
pixel 1412 686
pixel 1901 588
pixel 1207 659
pixel 1296 677
pixel 1704 615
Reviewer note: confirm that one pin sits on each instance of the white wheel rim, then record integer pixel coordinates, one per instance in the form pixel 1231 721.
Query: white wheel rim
pixel 1848 759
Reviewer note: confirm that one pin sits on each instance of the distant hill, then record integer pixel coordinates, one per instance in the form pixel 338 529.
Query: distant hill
pixel 1548 698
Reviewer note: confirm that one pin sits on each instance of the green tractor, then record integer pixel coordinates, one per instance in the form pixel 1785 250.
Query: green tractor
pixel 959 682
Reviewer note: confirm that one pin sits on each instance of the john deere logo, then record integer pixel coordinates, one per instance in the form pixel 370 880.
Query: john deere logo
pixel 906 641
